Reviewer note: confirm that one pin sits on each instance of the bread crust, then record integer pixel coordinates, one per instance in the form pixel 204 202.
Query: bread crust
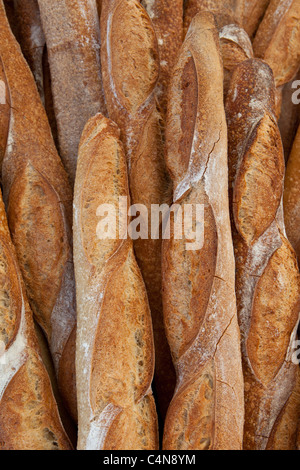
pixel 115 351
pixel 285 432
pixel 277 39
pixel 130 75
pixel 254 11
pixel 73 43
pixel 167 20
pixel 267 276
pixel 29 418
pixel 39 203
pixel 207 411
pixel 226 12
pixel 236 47
pixel 291 198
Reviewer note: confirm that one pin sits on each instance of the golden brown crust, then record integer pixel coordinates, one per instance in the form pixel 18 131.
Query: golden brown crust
pixel 254 11
pixel 115 353
pixel 29 418
pixel 39 202
pixel 198 286
pixel 267 276
pixel 167 20
pixel 277 39
pixel 130 64
pixel 226 12
pixel 235 47
pixel 73 43
pixel 291 200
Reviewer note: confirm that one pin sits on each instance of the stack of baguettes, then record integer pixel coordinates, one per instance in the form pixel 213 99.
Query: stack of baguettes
pixel 147 344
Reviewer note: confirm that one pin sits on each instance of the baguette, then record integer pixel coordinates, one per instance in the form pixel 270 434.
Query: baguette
pixel 29 418
pixel 235 47
pixel 73 43
pixel 31 38
pixel 207 411
pixel 226 12
pixel 167 19
pixel 39 204
pixel 253 14
pixel 130 64
pixel 115 354
pixel 277 39
pixel 267 276
pixel 291 198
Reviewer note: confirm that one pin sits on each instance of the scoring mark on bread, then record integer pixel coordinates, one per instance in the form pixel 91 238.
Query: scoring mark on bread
pixel 100 136
pixel 34 210
pixel 274 314
pixel 124 377
pixel 191 414
pixel 138 49
pixel 192 274
pixel 259 179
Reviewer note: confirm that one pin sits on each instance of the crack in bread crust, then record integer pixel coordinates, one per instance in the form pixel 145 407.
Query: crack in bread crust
pixel 267 275
pixel 198 287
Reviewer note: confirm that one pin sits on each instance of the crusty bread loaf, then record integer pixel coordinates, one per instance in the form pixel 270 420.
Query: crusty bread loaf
pixel 39 204
pixel 29 418
pixel 235 47
pixel 291 198
pixel 207 411
pixel 254 11
pixel 277 39
pixel 31 38
pixel 115 353
pixel 167 19
pixel 73 43
pixel 130 65
pixel 225 11
pixel 267 276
